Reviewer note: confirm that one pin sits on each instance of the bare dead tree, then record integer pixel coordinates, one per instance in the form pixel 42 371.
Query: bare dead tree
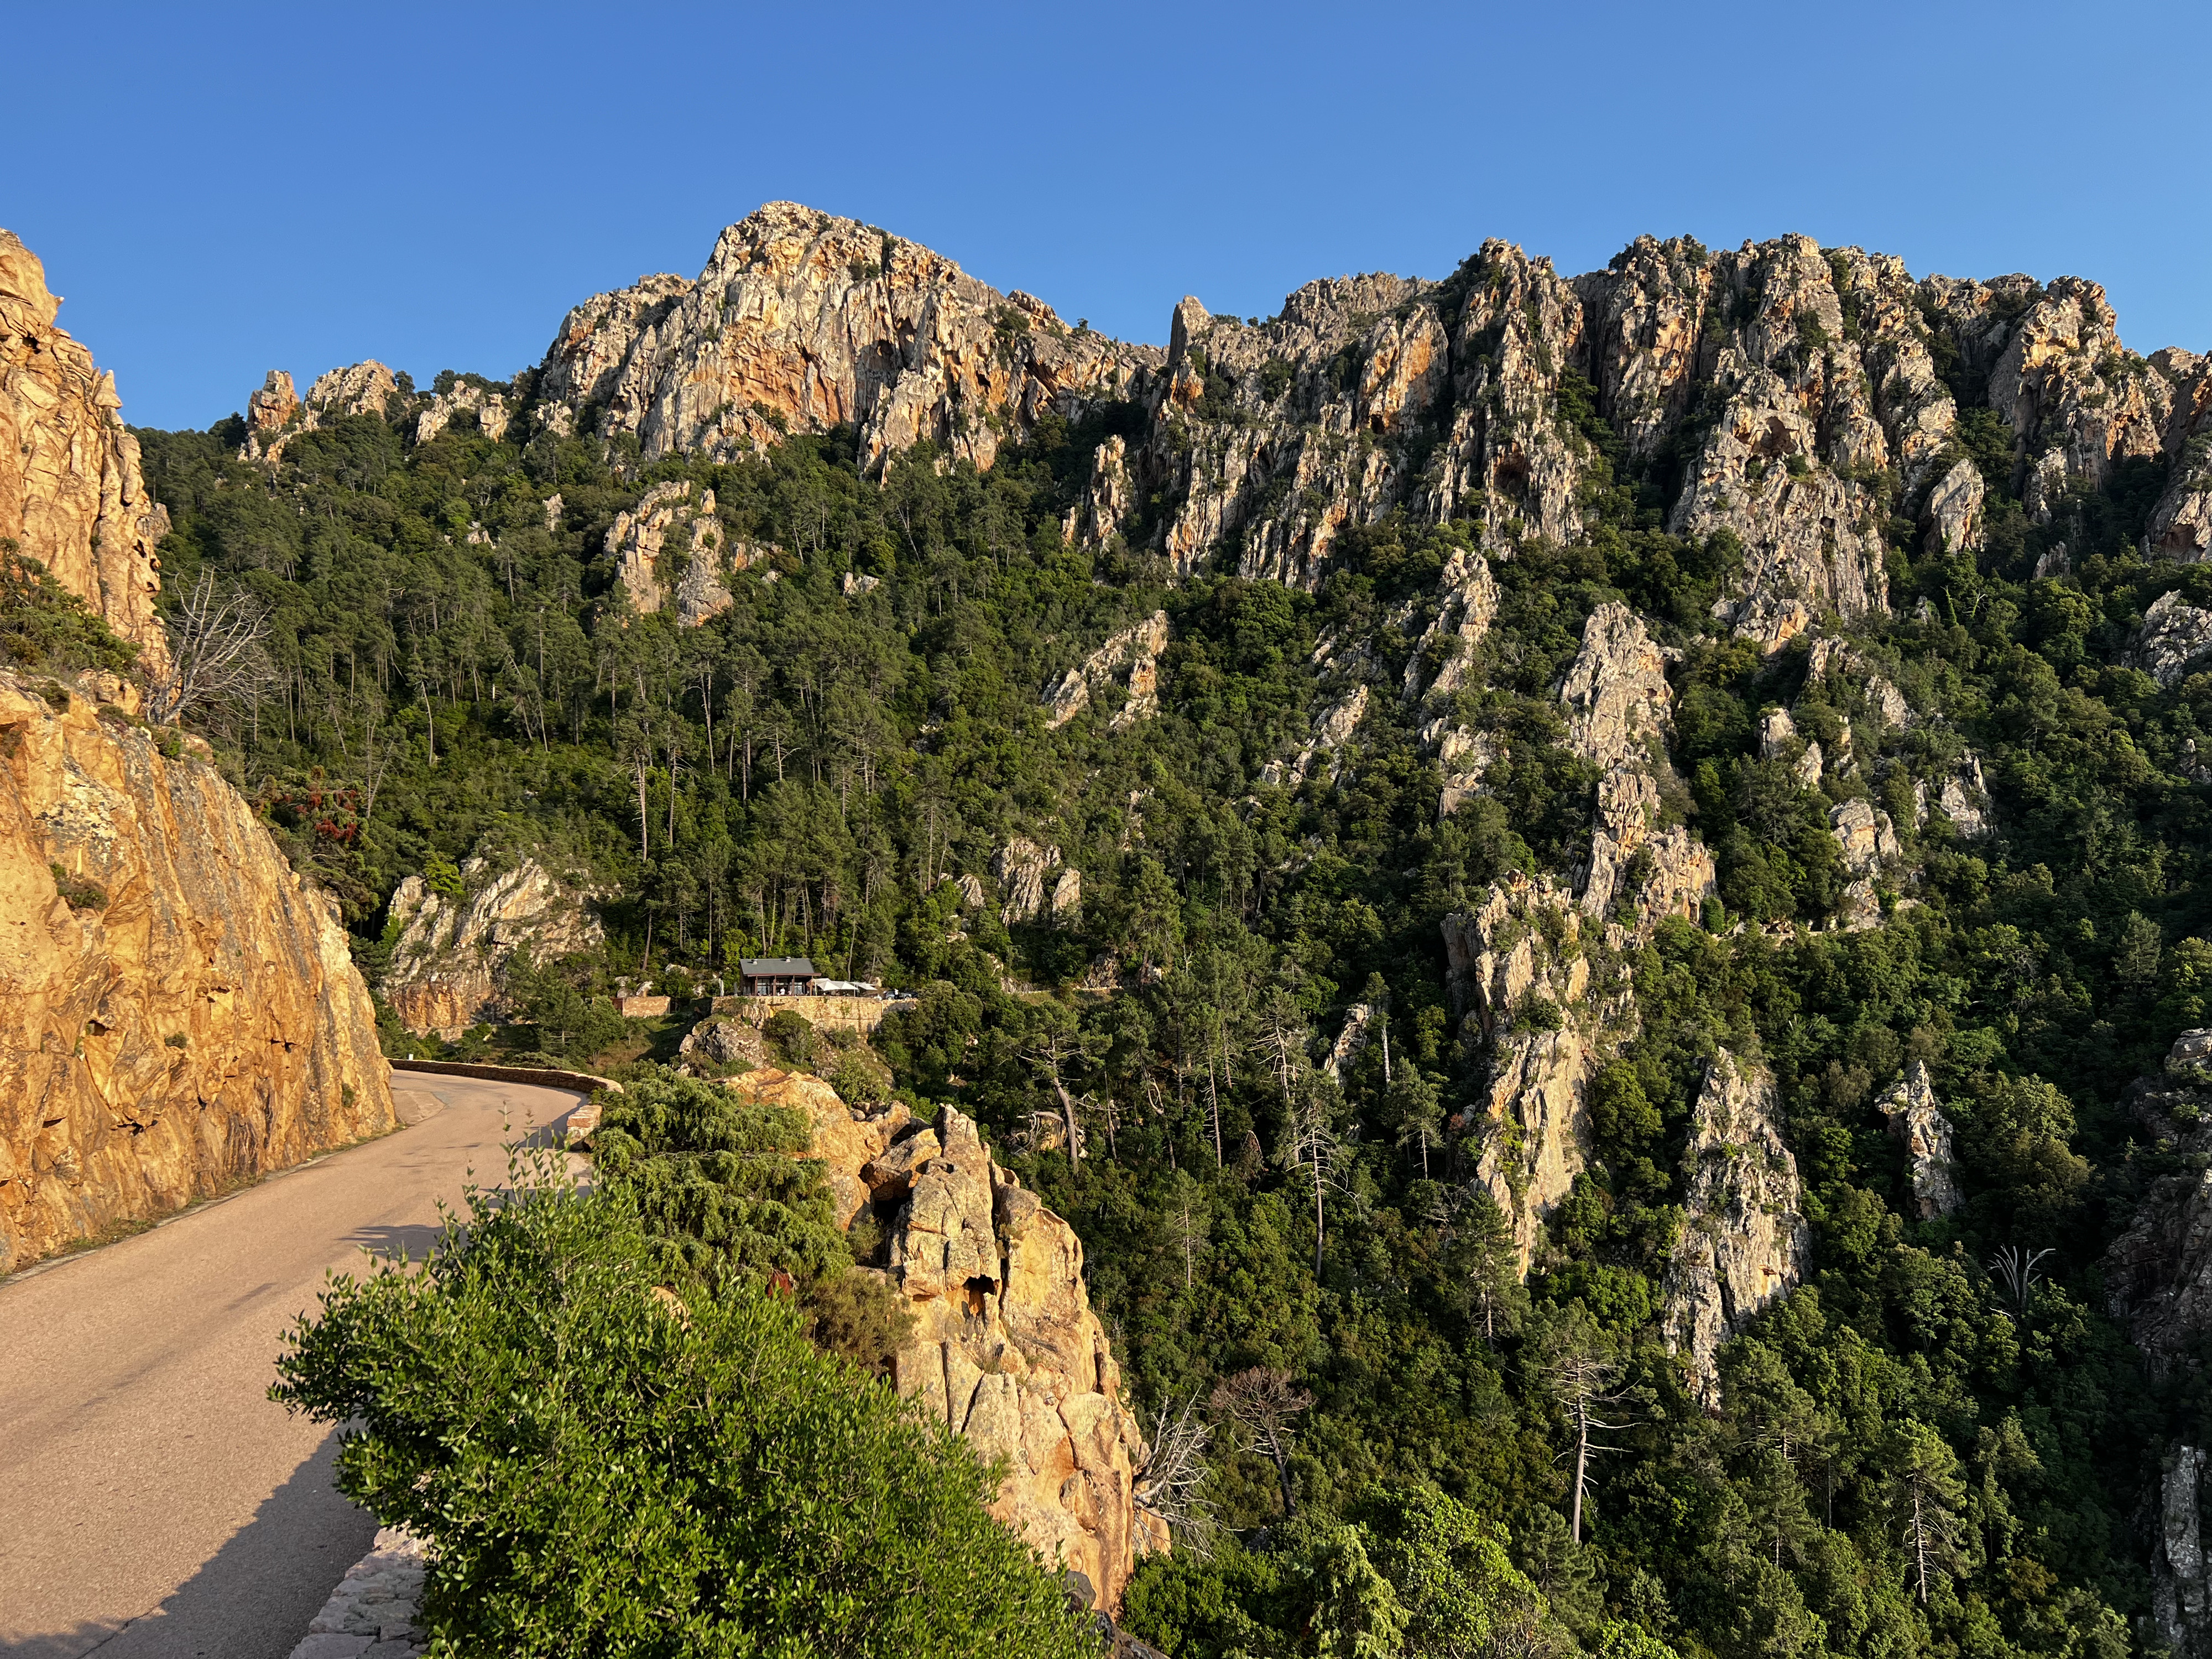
pixel 1187 1227
pixel 1580 1369
pixel 2016 1267
pixel 1168 1482
pixel 1267 1404
pixel 1282 1041
pixel 1311 1143
pixel 214 653
pixel 1054 1051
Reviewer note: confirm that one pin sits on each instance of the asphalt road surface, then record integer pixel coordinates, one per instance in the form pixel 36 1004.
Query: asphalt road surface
pixel 153 1500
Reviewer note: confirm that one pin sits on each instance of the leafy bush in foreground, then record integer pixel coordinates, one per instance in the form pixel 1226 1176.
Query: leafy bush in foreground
pixel 603 1470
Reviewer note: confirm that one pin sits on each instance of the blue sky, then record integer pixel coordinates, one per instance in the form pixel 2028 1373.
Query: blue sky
pixel 219 190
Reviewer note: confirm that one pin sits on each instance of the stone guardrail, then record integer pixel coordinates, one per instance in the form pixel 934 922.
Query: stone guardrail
pixel 581 1121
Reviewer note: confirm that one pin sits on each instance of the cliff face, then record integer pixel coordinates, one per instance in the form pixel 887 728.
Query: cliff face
pixel 449 964
pixel 179 1013
pixel 70 491
pixel 1006 1349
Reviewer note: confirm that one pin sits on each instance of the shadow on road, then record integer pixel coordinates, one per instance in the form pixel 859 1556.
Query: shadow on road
pixel 413 1239
pixel 254 1598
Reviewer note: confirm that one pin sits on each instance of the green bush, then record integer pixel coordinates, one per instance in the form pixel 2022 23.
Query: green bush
pixel 791 1037
pixel 44 625
pixel 601 1469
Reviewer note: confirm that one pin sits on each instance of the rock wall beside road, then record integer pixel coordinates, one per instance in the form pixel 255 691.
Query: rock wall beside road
pixel 178 1011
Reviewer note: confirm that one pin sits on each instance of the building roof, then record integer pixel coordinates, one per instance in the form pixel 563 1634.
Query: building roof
pixel 775 968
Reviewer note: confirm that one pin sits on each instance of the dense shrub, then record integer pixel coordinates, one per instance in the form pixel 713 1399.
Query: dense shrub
pixel 604 1469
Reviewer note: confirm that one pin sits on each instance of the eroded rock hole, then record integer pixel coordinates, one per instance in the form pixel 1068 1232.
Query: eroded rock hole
pixel 978 1288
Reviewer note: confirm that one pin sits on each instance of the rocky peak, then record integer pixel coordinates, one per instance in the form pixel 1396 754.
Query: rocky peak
pixel 269 413
pixel 804 321
pixel 2076 400
pixel 72 495
pixel 1745 1241
pixel 362 388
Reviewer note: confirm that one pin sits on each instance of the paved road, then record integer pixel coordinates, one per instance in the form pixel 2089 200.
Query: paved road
pixel 152 1501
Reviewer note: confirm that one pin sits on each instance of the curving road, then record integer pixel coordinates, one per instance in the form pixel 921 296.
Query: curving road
pixel 152 1501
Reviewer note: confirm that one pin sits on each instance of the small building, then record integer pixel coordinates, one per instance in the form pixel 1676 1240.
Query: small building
pixel 776 976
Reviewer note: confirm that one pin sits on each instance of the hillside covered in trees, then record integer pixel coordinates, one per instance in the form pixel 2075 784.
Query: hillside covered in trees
pixel 1609 873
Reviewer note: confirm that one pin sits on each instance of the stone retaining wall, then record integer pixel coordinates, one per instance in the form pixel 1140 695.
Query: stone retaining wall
pixel 859 1014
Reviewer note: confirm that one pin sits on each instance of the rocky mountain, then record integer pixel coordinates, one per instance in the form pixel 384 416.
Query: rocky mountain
pixel 183 1010
pixel 1798 398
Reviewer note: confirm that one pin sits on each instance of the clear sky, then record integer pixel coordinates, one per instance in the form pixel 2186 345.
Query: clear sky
pixel 220 189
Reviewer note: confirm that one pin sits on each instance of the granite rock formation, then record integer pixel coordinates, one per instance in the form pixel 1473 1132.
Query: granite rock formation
pixel 1916 1118
pixel 670 551
pixel 1792 392
pixel 72 495
pixel 1520 970
pixel 449 964
pixel 183 1012
pixel 803 321
pixel 2173 640
pixel 1004 1348
pixel 1129 660
pixel 1033 885
pixel 1745 1240
pixel 2158 1275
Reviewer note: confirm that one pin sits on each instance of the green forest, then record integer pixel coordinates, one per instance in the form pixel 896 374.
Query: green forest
pixel 1915 1452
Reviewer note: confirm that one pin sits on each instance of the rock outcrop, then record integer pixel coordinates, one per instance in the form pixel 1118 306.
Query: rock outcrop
pixel 182 1013
pixel 487 403
pixel 803 321
pixel 1004 1348
pixel 1916 1119
pixel 448 968
pixel 1520 971
pixel 72 495
pixel 2173 640
pixel 670 550
pixel 2181 1598
pixel 1745 1241
pixel 1033 884
pixel 1787 395
pixel 275 414
pixel 2180 524
pixel 1129 660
